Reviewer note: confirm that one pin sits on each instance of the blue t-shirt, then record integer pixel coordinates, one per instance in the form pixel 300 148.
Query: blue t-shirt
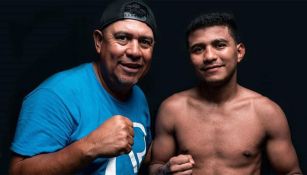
pixel 71 104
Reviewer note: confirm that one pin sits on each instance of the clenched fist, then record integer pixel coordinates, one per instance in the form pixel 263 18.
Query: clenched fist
pixel 112 138
pixel 179 165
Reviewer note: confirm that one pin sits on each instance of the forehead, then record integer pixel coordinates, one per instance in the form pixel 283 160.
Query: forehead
pixel 211 33
pixel 131 26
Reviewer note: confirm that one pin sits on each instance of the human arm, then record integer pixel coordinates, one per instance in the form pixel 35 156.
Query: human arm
pixel 279 147
pixel 42 143
pixel 163 156
pixel 112 138
pixel 144 168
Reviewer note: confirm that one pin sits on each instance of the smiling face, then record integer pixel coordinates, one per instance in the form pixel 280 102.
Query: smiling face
pixel 125 50
pixel 215 54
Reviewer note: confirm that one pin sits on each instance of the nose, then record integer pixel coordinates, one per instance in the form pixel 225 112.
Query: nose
pixel 209 55
pixel 134 51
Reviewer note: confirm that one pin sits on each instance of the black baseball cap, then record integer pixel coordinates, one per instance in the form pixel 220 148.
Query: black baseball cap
pixel 128 9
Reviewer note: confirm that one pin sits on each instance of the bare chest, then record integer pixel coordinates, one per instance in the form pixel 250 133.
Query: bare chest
pixel 229 137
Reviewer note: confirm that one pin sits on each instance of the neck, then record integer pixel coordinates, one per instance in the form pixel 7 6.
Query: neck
pixel 219 94
pixel 120 93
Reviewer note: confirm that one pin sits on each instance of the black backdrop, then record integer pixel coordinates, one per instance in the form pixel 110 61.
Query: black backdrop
pixel 39 38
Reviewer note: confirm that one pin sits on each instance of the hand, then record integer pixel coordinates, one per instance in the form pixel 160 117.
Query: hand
pixel 112 138
pixel 179 165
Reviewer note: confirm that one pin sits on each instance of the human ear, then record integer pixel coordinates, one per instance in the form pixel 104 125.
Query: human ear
pixel 240 52
pixel 98 40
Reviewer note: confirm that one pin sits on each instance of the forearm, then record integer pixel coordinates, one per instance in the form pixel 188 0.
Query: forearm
pixel 66 161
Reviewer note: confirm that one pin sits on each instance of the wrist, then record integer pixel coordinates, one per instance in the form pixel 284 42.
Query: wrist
pixel 163 170
pixel 87 149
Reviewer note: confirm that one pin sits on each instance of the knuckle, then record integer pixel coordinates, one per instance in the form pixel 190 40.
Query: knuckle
pixel 117 117
pixel 171 168
pixel 171 161
pixel 127 149
pixel 124 144
pixel 122 135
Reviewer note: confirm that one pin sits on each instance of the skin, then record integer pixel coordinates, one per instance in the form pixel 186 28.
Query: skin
pixel 220 127
pixel 125 51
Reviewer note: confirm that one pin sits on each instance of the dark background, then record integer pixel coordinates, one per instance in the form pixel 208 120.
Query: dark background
pixel 41 37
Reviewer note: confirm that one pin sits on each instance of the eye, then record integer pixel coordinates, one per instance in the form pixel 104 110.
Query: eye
pixel 146 42
pixel 122 38
pixel 219 44
pixel 197 49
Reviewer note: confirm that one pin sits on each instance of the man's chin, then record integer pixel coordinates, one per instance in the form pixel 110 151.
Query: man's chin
pixel 216 82
pixel 128 81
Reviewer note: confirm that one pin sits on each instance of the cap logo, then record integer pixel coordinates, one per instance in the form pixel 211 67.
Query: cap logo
pixel 135 11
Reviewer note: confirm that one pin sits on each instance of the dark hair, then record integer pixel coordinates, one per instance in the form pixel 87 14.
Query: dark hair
pixel 214 19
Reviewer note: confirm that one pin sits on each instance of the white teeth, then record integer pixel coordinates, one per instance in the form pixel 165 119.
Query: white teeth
pixel 132 66
pixel 130 69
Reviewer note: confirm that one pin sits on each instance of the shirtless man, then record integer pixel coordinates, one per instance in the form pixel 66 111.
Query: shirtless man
pixel 219 127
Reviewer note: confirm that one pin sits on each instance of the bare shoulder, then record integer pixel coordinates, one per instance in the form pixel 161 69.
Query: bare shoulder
pixel 173 106
pixel 177 101
pixel 265 107
pixel 269 112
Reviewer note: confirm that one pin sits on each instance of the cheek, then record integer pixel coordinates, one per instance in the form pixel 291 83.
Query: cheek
pixel 147 56
pixel 195 60
pixel 229 56
pixel 118 52
pixel 115 50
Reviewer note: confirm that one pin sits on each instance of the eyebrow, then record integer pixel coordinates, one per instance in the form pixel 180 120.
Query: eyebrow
pixel 215 41
pixel 220 40
pixel 128 33
pixel 197 44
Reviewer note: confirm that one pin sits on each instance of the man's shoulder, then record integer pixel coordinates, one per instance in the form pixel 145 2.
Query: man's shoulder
pixel 178 100
pixel 263 105
pixel 67 82
pixel 254 97
pixel 67 78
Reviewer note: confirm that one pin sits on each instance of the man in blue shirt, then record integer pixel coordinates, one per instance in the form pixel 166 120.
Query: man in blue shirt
pixel 92 119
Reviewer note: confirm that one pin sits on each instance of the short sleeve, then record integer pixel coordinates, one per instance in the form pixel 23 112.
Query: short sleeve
pixel 44 124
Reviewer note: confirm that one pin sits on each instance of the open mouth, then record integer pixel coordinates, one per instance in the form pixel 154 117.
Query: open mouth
pixel 131 67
